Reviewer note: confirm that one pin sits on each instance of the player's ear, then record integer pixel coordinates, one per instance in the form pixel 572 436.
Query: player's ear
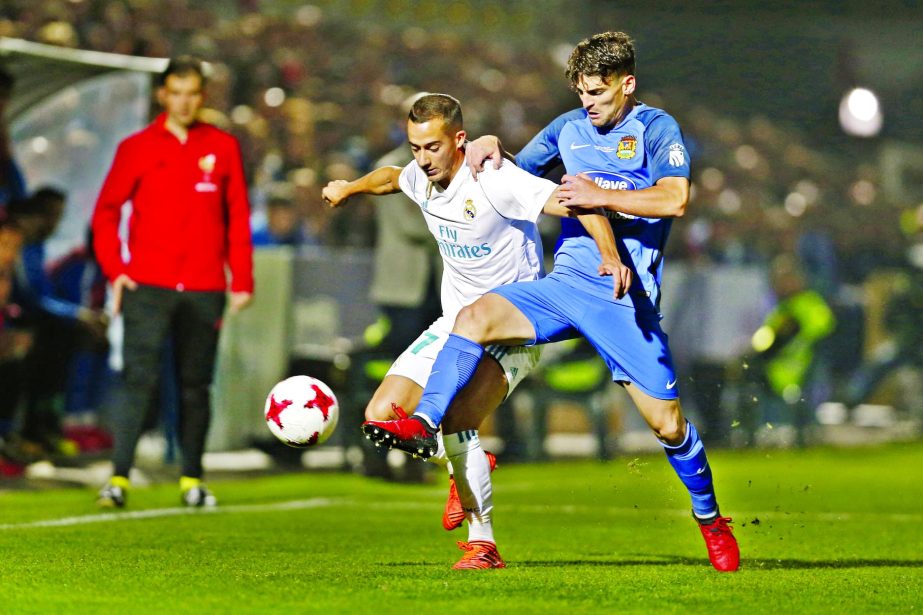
pixel 161 96
pixel 460 138
pixel 628 85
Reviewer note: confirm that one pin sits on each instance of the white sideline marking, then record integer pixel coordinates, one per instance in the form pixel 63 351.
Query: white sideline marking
pixel 155 513
pixel 740 516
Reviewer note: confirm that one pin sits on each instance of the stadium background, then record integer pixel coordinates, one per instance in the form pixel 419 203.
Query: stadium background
pixel 313 91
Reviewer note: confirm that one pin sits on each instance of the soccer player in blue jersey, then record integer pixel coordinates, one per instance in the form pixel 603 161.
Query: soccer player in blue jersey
pixel 628 159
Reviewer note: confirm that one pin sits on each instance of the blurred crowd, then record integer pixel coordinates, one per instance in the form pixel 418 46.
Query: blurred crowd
pixel 314 94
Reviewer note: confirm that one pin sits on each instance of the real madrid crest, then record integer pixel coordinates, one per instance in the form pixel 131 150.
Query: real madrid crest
pixel 470 211
pixel 627 147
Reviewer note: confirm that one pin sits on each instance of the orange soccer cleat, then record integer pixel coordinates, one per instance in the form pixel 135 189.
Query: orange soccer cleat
pixel 479 554
pixel 409 434
pixel 454 514
pixel 722 546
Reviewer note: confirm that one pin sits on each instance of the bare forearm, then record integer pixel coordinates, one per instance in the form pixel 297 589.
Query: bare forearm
pixel 653 202
pixel 666 199
pixel 600 230
pixel 596 225
pixel 610 264
pixel 383 180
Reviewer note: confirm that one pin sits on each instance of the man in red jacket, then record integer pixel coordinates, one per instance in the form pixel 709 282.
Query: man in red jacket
pixel 189 227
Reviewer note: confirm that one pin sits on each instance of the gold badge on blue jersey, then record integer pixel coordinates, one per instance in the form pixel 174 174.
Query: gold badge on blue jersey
pixel 627 146
pixel 470 211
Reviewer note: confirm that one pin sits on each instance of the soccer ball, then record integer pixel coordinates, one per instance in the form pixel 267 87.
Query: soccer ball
pixel 301 411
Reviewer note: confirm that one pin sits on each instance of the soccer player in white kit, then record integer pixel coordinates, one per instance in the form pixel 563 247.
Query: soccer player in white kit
pixel 487 235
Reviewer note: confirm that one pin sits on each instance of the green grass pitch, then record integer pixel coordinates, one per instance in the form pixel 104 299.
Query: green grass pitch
pixel 821 531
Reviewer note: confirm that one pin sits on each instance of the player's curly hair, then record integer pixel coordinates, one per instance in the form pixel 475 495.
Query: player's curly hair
pixel 437 105
pixel 605 54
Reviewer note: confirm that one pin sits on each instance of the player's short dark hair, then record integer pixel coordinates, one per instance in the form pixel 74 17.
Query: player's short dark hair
pixel 183 66
pixel 46 197
pixel 433 106
pixel 605 55
pixel 40 203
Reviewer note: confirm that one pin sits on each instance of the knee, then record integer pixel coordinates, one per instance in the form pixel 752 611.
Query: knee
pixel 670 430
pixel 471 322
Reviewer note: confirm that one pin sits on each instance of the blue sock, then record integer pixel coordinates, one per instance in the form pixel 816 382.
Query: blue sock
pixel 454 367
pixel 691 465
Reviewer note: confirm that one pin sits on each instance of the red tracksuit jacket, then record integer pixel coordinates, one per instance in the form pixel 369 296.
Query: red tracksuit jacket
pixel 190 219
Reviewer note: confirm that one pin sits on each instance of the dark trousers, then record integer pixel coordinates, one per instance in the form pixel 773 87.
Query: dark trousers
pixel 151 314
pixel 45 375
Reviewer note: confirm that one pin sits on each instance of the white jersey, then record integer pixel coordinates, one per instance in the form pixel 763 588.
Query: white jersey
pixel 485 229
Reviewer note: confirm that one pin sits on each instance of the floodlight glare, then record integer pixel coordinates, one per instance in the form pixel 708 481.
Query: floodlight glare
pixel 860 113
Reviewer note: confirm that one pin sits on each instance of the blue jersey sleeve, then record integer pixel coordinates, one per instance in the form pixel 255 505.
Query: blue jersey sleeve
pixel 541 154
pixel 666 149
pixel 39 289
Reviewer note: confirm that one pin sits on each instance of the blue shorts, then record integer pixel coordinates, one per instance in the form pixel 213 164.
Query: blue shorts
pixel 630 342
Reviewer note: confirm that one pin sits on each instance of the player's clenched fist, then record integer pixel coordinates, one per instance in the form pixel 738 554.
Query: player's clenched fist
pixel 335 192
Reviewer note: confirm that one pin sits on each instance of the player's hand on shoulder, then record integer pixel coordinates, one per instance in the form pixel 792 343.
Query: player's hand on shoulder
pixel 335 192
pixel 580 192
pixel 621 276
pixel 481 150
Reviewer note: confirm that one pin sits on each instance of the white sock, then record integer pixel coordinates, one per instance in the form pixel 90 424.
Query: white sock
pixel 472 479
pixel 440 458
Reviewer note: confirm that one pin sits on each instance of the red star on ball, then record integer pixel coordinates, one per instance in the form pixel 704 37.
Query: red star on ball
pixel 275 409
pixel 321 401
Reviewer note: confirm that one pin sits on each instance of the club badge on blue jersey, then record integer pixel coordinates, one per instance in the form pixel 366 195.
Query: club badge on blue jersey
pixel 627 147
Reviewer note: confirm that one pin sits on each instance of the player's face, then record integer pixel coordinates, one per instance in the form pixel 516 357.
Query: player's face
pixel 605 103
pixel 181 97
pixel 437 149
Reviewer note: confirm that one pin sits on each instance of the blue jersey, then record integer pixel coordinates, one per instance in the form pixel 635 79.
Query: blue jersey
pixel 643 148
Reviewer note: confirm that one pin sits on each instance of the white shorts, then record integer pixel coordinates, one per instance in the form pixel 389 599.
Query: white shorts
pixel 417 361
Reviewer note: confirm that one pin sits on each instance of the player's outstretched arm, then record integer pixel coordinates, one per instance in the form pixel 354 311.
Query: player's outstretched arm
pixel 600 230
pixel 665 199
pixel 598 227
pixel 383 180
